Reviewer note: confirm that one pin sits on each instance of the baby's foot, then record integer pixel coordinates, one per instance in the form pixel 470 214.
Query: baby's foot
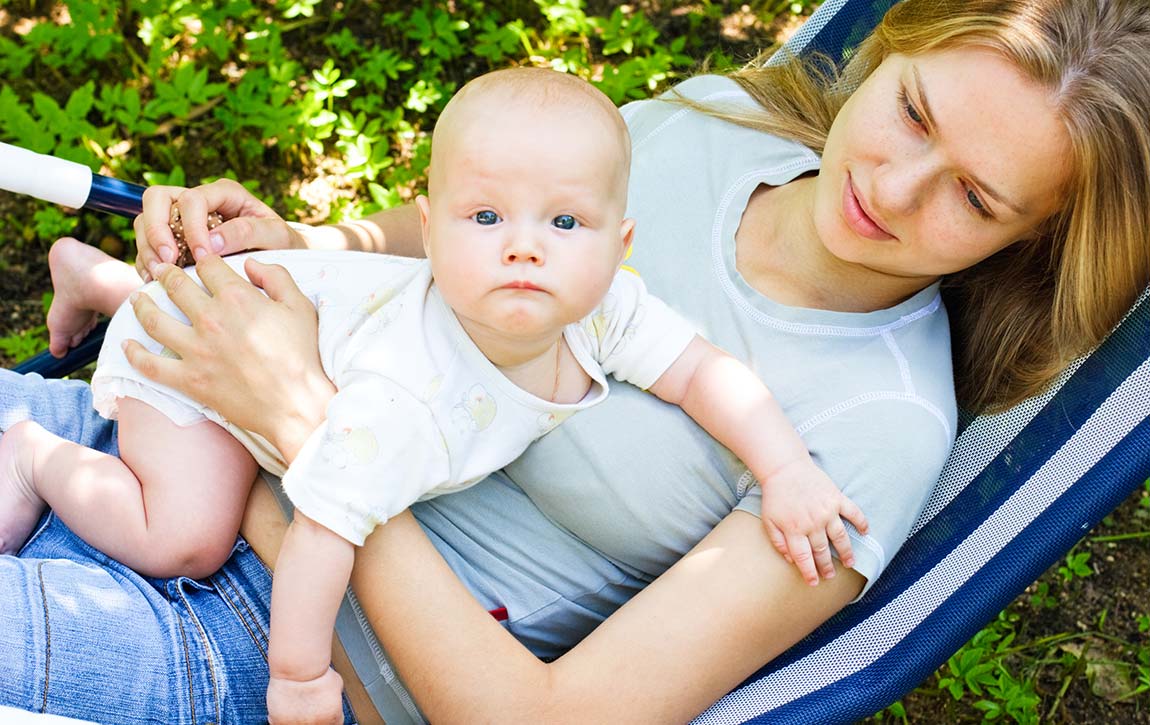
pixel 20 506
pixel 71 318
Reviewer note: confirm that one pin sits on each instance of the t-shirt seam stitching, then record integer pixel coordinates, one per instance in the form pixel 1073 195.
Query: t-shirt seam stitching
pixel 875 396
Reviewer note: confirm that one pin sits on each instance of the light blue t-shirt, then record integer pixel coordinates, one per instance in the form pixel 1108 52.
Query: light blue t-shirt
pixel 602 505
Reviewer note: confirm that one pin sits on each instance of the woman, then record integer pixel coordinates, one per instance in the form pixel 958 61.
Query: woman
pixel 1001 148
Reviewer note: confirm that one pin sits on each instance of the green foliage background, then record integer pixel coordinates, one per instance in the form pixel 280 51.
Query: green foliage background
pixel 324 107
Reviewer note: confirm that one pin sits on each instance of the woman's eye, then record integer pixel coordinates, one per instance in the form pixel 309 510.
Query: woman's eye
pixel 908 108
pixel 565 221
pixel 486 217
pixel 975 202
pixel 913 113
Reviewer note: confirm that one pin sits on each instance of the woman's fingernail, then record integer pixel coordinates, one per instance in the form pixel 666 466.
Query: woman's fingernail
pixel 167 254
pixel 134 296
pixel 217 242
pixel 198 253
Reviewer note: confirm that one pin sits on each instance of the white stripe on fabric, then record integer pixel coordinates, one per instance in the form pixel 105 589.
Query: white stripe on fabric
pixel 1125 408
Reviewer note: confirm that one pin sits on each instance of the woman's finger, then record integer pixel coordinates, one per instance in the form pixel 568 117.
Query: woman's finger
pixel 160 326
pixel 163 370
pixel 277 283
pixel 221 280
pixel 231 201
pixel 183 291
pixel 242 233
pixel 155 243
pixel 193 217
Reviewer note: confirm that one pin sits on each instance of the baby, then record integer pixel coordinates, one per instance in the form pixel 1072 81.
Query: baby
pixel 446 369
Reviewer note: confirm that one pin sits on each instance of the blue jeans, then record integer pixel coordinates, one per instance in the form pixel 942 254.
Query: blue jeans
pixel 85 636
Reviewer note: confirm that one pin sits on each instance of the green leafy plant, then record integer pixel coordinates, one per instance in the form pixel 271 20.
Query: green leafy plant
pixel 1076 567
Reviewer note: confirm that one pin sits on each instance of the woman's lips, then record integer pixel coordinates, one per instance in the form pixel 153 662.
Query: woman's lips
pixel 857 218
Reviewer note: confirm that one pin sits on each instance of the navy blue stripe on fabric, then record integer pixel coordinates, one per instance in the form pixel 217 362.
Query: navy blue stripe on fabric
pixel 991 589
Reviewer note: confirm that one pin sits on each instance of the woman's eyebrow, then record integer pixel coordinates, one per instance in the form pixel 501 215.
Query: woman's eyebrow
pixel 921 89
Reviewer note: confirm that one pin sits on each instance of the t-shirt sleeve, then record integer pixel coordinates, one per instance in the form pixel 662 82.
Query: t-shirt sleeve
pixel 378 451
pixel 886 456
pixel 634 335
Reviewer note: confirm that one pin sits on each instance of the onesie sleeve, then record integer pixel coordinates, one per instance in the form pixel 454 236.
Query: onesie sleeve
pixel 635 335
pixel 377 452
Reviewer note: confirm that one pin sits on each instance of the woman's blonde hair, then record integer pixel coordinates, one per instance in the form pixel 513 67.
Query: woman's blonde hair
pixel 1022 315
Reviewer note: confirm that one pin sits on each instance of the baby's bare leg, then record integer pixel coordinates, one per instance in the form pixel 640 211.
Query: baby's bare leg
pixel 85 282
pixel 20 505
pixel 172 506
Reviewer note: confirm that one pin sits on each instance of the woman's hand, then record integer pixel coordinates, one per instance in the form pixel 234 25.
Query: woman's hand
pixel 252 358
pixel 252 224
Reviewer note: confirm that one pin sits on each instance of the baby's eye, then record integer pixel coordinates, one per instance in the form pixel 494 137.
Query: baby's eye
pixel 486 217
pixel 565 221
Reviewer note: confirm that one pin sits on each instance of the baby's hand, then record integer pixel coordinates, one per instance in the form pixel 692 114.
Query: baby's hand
pixel 315 702
pixel 803 511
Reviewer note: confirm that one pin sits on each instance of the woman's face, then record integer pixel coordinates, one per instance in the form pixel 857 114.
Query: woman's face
pixel 938 161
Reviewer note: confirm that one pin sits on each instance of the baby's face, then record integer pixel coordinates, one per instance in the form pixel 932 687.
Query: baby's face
pixel 524 225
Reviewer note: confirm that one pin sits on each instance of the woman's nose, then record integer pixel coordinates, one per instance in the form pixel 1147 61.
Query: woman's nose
pixel 900 186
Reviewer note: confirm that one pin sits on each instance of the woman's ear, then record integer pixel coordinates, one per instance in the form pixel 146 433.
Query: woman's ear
pixel 424 205
pixel 627 235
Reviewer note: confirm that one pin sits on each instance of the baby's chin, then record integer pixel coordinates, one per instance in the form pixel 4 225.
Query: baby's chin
pixel 523 321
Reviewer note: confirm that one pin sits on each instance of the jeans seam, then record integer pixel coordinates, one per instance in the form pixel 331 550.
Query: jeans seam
pixel 206 643
pixel 247 617
pixel 188 668
pixel 47 637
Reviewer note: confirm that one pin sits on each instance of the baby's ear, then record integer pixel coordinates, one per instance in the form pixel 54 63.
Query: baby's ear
pixel 424 205
pixel 627 234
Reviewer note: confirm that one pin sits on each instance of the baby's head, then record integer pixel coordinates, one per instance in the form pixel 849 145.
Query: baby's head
pixel 527 189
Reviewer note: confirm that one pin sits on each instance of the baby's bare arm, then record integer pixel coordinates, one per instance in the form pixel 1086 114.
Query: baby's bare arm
pixel 311 575
pixel 802 508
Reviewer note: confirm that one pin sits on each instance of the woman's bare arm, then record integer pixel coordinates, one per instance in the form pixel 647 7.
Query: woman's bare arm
pixel 730 605
pixel 254 225
pixel 392 231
